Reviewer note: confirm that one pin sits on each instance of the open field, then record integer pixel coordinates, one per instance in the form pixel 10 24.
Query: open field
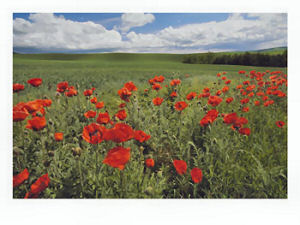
pixel 233 164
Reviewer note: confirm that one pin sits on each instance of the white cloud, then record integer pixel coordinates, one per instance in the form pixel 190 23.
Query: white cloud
pixel 255 31
pixel 47 31
pixel 130 20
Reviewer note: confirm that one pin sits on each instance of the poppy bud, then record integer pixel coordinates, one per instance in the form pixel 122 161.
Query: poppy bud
pixel 46 163
pixel 142 148
pixel 76 151
pixel 51 153
pixel 160 174
pixel 149 190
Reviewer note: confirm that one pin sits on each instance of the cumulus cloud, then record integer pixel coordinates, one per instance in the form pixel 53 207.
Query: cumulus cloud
pixel 237 32
pixel 130 20
pixel 47 31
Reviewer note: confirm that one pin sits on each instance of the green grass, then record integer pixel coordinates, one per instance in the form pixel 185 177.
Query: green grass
pixel 234 166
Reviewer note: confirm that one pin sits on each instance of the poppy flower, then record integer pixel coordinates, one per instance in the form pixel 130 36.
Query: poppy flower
pixel 121 114
pixel 36 123
pixel 244 100
pixel 265 98
pixel 267 103
pixel 122 105
pixel 59 136
pixel 245 109
pixel 205 90
pixel 33 106
pixel 124 94
pixel 100 105
pixel 151 81
pixel 173 94
pixel 62 86
pixel 157 101
pixel 175 82
pixel 225 89
pixel 20 115
pixel 130 86
pixel 149 162
pixel 214 100
pixel 156 86
pixel 103 118
pixel 204 95
pixel 35 82
pixel 196 175
pixel 251 94
pixel 245 131
pixel 218 74
pixel 117 157
pixel 239 86
pixel 39 186
pixel 141 136
pixel 228 100
pixel 219 92
pixel 179 106
pixel 88 92
pixel 223 78
pixel 230 118
pixel 257 103
pixel 93 100
pixel 242 72
pixel 18 87
pixel 18 179
pixel 280 124
pixel 247 82
pixel 47 102
pixel 209 118
pixel 180 166
pixel 93 133
pixel 121 132
pixel 228 82
pixel 71 91
pixel 90 114
pixel 191 95
pixel 159 79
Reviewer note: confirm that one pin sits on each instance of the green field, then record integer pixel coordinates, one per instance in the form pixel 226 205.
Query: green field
pixel 233 165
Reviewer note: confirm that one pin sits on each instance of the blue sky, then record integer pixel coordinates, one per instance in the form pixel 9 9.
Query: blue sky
pixel 147 32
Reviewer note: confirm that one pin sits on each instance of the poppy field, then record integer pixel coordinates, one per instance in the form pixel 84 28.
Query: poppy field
pixel 149 126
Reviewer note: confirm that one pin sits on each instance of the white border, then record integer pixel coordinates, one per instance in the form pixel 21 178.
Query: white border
pixel 149 211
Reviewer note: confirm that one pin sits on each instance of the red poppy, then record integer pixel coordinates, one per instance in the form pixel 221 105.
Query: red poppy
pixel 219 92
pixel 156 86
pixel 33 106
pixel 90 114
pixel 224 78
pixel 175 82
pixel 124 94
pixel 251 94
pixel 36 123
pixel 93 133
pixel 197 175
pixel 117 157
pixel 94 100
pixel 47 102
pixel 191 95
pixel 35 82
pixel 239 86
pixel 228 100
pixel 225 89
pixel 151 81
pixel 214 100
pixel 245 131
pixel 242 72
pixel 179 106
pixel 149 162
pixel 205 90
pixel 267 103
pixel 280 124
pixel 245 109
pixel 244 100
pixel 62 86
pixel 180 166
pixel 230 118
pixel 59 136
pixel 141 136
pixel 88 92
pixel 157 101
pixel 130 86
pixel 121 114
pixel 18 87
pixel 247 82
pixel 37 187
pixel 209 118
pixel 122 105
pixel 265 98
pixel 18 179
pixel 103 118
pixel 121 132
pixel 100 105
pixel 228 82
pixel 173 94
pixel 71 91
pixel 218 74
pixel 19 115
pixel 159 79
pixel 257 103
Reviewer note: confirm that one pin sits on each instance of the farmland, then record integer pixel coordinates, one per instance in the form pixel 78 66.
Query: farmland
pixel 232 160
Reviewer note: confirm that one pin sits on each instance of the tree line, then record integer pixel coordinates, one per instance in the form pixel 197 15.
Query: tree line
pixel 245 59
